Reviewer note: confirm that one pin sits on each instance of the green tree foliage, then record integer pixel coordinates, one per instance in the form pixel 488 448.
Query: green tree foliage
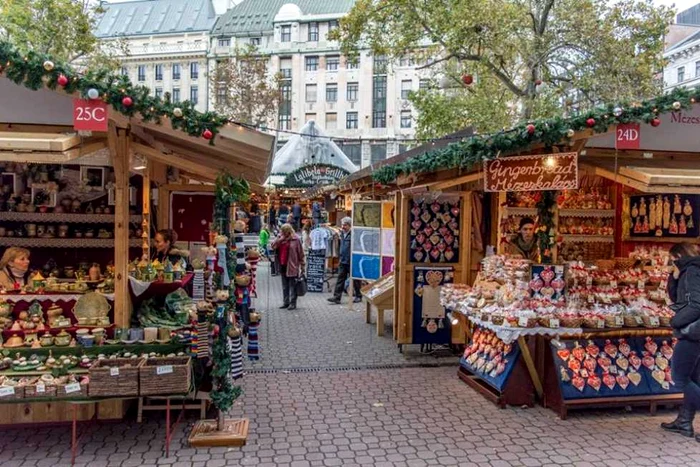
pixel 60 28
pixel 583 52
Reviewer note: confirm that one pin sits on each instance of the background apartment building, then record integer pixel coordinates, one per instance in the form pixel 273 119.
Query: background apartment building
pixel 167 44
pixel 362 104
pixel 683 51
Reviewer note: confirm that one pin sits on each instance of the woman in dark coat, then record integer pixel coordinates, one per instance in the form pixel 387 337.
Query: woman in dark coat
pixel 684 292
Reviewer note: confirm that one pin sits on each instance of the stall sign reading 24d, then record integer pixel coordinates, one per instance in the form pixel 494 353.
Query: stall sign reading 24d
pixel 532 173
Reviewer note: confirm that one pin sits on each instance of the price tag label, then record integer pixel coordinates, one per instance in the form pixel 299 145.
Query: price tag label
pixel 654 320
pixel 40 388
pixel 73 387
pixel 601 323
pixel 522 322
pixel 114 371
pixel 640 285
pixel 591 299
pixel 6 391
pixel 619 321
pixel 589 281
pixel 613 284
pixel 164 369
pixel 638 319
pixel 553 323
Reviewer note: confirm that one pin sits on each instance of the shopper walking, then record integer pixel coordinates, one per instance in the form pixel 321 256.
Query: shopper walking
pixel 344 267
pixel 290 257
pixel 684 291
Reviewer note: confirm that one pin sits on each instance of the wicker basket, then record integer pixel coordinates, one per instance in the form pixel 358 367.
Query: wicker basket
pixel 30 391
pixel 648 324
pixel 61 391
pixel 591 323
pixel 611 322
pixel 665 321
pixel 165 376
pixel 605 264
pixel 624 263
pixel 630 321
pixel 115 377
pixel 570 322
pixel 543 321
pixel 497 320
pixel 18 394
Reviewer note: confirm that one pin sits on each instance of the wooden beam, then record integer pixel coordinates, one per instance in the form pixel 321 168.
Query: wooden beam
pixel 29 128
pixel 40 157
pixel 119 148
pixel 175 161
pixel 473 177
pixel 37 141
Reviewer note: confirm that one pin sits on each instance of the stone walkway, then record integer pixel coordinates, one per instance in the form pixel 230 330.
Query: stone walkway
pixel 400 416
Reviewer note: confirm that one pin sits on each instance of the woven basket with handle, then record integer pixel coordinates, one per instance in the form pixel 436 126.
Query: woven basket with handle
pixel 165 376
pixel 115 377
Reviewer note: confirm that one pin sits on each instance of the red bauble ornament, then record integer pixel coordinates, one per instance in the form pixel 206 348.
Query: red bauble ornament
pixel 590 122
pixel 538 82
pixel 127 101
pixel 530 129
pixel 207 134
pixel 655 122
pixel 467 79
pixel 62 80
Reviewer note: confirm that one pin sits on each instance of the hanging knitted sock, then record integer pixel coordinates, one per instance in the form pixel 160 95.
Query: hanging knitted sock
pixel 236 356
pixel 221 249
pixel 253 348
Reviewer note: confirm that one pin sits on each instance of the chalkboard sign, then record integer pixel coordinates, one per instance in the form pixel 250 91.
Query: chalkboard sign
pixel 315 270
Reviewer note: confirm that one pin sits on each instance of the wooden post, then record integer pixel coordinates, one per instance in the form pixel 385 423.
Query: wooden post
pixel 398 258
pixel 146 210
pixel 119 140
pixel 404 282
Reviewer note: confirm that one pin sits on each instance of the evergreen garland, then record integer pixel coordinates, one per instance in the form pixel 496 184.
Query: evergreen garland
pixel 549 131
pixel 35 70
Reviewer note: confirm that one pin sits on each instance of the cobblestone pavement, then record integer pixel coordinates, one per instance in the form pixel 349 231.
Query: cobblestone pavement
pixel 404 416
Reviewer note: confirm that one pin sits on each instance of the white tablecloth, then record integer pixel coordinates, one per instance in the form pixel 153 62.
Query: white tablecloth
pixel 510 335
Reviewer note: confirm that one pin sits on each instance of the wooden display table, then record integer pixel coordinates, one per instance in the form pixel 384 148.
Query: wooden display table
pixel 379 295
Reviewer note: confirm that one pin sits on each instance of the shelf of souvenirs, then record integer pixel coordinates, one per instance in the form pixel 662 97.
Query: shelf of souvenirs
pixel 65 242
pixel 518 211
pixel 69 218
pixel 587 238
pixel 586 213
pixel 508 293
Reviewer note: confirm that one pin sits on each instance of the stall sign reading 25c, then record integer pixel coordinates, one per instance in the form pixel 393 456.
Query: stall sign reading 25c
pixel 532 173
pixel 90 115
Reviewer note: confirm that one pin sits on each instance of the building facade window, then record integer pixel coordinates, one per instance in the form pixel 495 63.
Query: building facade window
pixel 221 95
pixel 332 63
pixel 159 72
pixel 194 95
pixel 406 86
pixel 311 91
pixel 286 73
pixel 423 84
pixel 331 121
pixel 379 101
pixel 142 72
pixel 406 60
pixel 697 69
pixel 353 151
pixel 285 122
pixel 158 92
pixel 681 74
pixel 351 120
pixel 285 109
pixel 286 35
pixel 309 117
pixel 353 63
pixel 352 92
pixel 194 70
pixel 225 42
pixel 332 92
pixel 177 70
pixel 378 152
pixel 311 63
pixel 313 32
pixel 380 65
pixel 125 71
pixel 176 94
pixel 403 148
pixel 255 41
pixel 332 25
pixel 406 119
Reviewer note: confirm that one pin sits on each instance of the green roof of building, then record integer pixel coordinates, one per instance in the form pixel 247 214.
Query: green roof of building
pixel 258 15
pixel 155 17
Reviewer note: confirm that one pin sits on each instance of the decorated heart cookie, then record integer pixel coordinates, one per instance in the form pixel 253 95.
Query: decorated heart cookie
pixel 449 254
pixel 624 347
pixel 428 231
pixel 635 378
pixel 650 346
pixel 574 365
pixel 592 349
pixel 661 362
pixel 604 363
pixel 622 362
pixel 669 376
pixel 659 376
pixel 648 361
pixel 435 207
pixel 564 354
pixel 622 380
pixel 418 255
pixel 416 211
pixel 589 364
pixel 635 361
pixel 435 253
pixel 578 352
pixel 666 350
pixel 578 382
pixel 426 216
pixel 609 380
pixel 594 382
pixel 610 349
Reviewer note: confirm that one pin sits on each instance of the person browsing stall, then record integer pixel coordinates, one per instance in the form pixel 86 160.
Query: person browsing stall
pixel 164 243
pixel 525 243
pixel 344 267
pixel 684 292
pixel 14 268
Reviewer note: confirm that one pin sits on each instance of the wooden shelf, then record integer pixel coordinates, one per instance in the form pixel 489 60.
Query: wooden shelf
pixel 64 242
pixel 513 211
pixel 63 217
pixel 586 213
pixel 588 238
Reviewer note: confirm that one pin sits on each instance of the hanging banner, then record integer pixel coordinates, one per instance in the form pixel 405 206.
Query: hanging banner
pixel 627 136
pixel 315 174
pixel 532 173
pixel 90 115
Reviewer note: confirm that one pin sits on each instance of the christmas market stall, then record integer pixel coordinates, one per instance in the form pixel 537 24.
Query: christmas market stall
pixel 96 320
pixel 569 306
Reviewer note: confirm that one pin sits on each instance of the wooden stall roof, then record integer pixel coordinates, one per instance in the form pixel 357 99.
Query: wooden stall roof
pixel 648 176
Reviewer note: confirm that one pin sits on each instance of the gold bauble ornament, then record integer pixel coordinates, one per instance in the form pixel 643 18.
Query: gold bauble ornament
pixel 48 65
pixel 234 331
pixel 254 317
pixel 177 112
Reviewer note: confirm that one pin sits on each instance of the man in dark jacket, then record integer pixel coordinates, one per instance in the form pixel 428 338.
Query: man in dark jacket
pixel 296 215
pixel 344 268
pixel 684 292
